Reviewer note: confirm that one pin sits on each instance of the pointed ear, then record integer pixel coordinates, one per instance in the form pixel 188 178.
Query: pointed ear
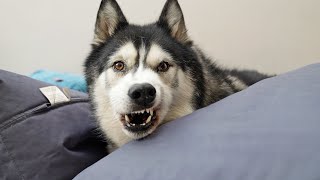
pixel 172 18
pixel 109 19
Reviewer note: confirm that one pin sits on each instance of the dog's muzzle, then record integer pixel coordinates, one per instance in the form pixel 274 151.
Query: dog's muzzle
pixel 144 116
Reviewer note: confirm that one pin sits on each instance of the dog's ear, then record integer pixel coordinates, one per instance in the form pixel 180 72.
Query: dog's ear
pixel 172 19
pixel 109 19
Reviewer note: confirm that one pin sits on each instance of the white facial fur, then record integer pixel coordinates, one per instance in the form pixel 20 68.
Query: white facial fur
pixel 111 90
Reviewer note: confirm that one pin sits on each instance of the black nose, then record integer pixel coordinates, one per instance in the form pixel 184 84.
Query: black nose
pixel 142 94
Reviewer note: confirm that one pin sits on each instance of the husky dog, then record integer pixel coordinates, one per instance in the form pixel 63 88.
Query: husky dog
pixel 140 77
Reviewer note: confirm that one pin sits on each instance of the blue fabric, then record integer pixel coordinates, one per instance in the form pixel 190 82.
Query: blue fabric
pixel 270 131
pixel 68 80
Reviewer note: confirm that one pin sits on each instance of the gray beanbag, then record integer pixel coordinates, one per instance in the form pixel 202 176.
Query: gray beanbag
pixel 43 141
pixel 271 131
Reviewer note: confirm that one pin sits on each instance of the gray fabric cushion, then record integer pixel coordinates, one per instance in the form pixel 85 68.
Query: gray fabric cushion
pixel 271 131
pixel 39 141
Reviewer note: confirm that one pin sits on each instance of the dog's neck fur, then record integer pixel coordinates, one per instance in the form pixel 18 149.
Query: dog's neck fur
pixel 218 83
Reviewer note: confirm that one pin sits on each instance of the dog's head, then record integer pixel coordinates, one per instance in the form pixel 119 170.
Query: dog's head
pixel 141 76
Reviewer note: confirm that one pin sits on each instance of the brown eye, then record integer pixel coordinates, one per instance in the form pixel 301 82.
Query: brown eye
pixel 163 66
pixel 119 66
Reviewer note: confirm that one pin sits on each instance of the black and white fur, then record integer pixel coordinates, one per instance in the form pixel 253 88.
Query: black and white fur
pixel 164 76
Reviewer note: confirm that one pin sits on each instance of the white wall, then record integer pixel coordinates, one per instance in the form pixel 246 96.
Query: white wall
pixel 272 36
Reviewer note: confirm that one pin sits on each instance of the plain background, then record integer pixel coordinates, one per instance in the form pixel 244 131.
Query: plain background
pixel 272 36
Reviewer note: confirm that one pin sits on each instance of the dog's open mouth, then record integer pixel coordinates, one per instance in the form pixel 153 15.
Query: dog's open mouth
pixel 139 121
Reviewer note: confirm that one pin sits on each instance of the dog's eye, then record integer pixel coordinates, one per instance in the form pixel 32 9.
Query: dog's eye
pixel 163 66
pixel 119 66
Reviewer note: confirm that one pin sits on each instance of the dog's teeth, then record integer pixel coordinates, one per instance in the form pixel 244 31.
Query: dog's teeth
pixel 138 112
pixel 149 119
pixel 129 125
pixel 127 118
pixel 133 124
pixel 143 124
pixel 151 112
pixel 148 111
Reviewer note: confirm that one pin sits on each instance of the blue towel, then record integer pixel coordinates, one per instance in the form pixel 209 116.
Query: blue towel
pixel 72 81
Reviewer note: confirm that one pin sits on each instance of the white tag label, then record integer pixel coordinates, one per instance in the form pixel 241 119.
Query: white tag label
pixel 54 95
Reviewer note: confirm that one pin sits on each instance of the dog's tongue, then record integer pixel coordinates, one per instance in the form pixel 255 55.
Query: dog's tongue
pixel 138 118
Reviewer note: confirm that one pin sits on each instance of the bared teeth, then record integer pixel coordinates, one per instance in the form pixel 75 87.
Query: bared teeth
pixel 127 118
pixel 138 112
pixel 149 111
pixel 149 119
pixel 151 116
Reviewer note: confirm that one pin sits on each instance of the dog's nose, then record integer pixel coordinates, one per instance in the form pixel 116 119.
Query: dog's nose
pixel 142 94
